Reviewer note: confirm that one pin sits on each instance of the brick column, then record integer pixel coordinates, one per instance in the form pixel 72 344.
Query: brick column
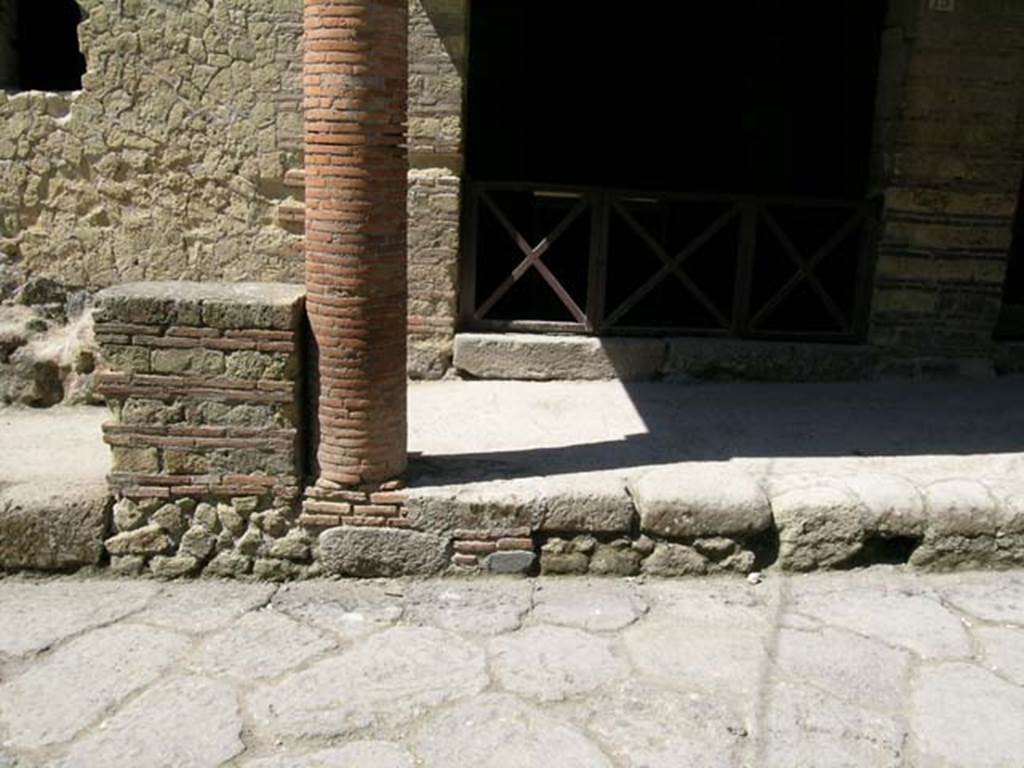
pixel 356 176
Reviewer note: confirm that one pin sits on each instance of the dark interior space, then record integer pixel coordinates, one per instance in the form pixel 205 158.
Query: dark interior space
pixel 660 124
pixel 1011 322
pixel 46 54
pixel 770 97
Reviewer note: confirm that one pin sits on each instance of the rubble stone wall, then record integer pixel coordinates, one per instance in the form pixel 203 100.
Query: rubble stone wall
pixel 206 436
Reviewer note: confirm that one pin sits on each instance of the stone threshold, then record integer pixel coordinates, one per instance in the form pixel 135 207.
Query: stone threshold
pixel 543 357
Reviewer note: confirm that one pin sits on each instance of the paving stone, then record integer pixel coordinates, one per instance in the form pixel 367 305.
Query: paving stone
pixel 610 605
pixel 999 600
pixel 1003 651
pixel 705 639
pixel 357 754
pixel 203 606
pixel 554 663
pixel 470 607
pixel 350 609
pixel 381 552
pixel 389 678
pixel 260 644
pixel 56 698
pixel 700 499
pixel 849 667
pixel 898 614
pixel 805 726
pixel 36 615
pixel 499 731
pixel 656 728
pixel 187 722
pixel 965 716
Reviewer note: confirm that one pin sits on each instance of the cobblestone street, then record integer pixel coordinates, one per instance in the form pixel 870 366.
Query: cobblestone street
pixel 866 668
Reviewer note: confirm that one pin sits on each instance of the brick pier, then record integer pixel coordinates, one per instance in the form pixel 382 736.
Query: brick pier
pixel 356 92
pixel 355 101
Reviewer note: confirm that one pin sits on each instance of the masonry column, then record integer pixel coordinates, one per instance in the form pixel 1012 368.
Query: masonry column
pixel 356 177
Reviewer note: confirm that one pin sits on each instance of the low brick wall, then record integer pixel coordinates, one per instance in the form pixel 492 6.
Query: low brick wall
pixel 204 389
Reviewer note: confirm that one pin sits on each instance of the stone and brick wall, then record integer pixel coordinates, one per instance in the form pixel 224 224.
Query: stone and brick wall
pixel 206 435
pixel 438 31
pixel 949 151
pixel 171 160
pixel 181 158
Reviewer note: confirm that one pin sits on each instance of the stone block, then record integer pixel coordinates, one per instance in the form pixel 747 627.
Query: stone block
pixel 178 462
pixel 135 460
pixel 230 564
pixel 127 359
pixel 615 561
pixel 267 306
pixel 149 540
pixel 275 570
pixel 48 529
pixel 821 526
pixel 509 505
pixel 698 500
pixel 563 563
pixel 174 567
pixel 371 552
pixel 128 515
pixel 171 518
pixel 675 560
pixel 589 503
pixel 539 357
pixel 188 362
pixel 260 365
pixel 198 542
pixel 518 562
pixel 767 360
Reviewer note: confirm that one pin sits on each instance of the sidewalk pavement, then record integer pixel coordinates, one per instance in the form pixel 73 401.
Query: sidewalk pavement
pixel 930 472
pixel 873 668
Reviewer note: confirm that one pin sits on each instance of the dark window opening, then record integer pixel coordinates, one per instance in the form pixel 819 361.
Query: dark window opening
pixel 1011 321
pixel 718 156
pixel 39 47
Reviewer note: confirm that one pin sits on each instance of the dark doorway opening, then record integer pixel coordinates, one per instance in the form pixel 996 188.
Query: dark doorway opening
pixel 1011 320
pixel 684 167
pixel 41 45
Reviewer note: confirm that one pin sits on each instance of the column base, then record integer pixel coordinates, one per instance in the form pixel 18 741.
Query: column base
pixel 365 532
pixel 328 505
